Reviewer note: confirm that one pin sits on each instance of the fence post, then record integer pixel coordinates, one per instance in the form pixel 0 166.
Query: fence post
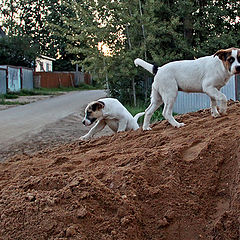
pixel 76 77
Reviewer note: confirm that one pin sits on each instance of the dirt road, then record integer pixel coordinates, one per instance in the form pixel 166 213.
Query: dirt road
pixel 19 122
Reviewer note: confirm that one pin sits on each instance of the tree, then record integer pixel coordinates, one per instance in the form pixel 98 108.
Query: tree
pixel 216 25
pixel 17 51
pixel 35 19
pixel 157 31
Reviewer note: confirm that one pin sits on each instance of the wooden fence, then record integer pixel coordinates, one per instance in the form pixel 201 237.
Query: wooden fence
pixel 53 79
pixel 60 79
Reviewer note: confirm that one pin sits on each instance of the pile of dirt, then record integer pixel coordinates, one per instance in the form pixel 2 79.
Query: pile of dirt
pixel 162 184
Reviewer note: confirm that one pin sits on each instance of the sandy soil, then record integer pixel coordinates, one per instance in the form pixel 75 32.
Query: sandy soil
pixel 163 184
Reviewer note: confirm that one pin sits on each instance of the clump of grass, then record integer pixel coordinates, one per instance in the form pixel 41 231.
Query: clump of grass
pixel 10 96
pixel 2 99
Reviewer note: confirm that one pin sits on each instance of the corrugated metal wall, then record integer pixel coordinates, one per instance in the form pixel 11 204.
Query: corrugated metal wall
pixel 238 87
pixel 191 102
pixel 14 79
pixel 27 78
pixel 3 81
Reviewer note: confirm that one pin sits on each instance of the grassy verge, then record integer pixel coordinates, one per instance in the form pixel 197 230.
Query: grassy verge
pixel 3 101
pixel 40 91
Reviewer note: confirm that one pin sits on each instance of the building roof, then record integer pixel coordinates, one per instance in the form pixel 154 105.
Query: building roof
pixel 45 57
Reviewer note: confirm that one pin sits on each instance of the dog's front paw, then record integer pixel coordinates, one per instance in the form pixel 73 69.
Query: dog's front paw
pixel 223 111
pixel 215 114
pixel 223 108
pixel 84 138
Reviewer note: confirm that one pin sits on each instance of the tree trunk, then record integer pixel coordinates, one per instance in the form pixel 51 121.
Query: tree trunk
pixel 106 78
pixel 133 83
pixel 145 50
pixel 134 93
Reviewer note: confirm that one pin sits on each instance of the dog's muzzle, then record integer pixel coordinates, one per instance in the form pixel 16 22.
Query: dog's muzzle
pixel 88 122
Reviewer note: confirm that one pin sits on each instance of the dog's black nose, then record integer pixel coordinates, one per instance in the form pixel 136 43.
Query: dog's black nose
pixel 238 69
pixel 83 121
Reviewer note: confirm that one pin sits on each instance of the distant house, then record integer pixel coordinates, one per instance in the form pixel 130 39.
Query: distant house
pixel 44 64
pixel 2 33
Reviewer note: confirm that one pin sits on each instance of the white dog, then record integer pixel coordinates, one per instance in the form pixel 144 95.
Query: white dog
pixel 109 111
pixel 207 75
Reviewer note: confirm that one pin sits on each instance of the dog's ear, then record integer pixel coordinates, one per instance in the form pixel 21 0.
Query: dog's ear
pixel 222 54
pixel 98 106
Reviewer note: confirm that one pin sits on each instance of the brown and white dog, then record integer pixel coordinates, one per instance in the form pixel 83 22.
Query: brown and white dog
pixel 109 111
pixel 206 74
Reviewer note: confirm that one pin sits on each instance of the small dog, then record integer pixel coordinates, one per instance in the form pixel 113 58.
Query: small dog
pixel 109 111
pixel 205 75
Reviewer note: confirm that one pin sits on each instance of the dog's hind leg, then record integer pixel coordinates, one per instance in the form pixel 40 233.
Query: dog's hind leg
pixel 168 109
pixel 156 101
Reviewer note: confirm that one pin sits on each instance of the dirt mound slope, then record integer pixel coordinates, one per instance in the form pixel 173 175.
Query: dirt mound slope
pixel 163 184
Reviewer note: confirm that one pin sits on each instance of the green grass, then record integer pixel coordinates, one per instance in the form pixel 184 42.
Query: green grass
pixel 10 96
pixel 50 91
pixel 53 91
pixel 157 116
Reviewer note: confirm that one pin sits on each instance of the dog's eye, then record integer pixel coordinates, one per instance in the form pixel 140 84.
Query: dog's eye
pixel 231 60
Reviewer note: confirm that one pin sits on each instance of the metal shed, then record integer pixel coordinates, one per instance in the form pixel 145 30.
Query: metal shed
pixel 13 78
pixel 191 102
pixel 17 78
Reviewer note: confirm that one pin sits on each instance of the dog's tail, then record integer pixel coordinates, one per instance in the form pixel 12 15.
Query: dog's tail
pixel 149 67
pixel 138 115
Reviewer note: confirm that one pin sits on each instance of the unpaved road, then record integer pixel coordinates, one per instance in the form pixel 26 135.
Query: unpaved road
pixel 18 123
